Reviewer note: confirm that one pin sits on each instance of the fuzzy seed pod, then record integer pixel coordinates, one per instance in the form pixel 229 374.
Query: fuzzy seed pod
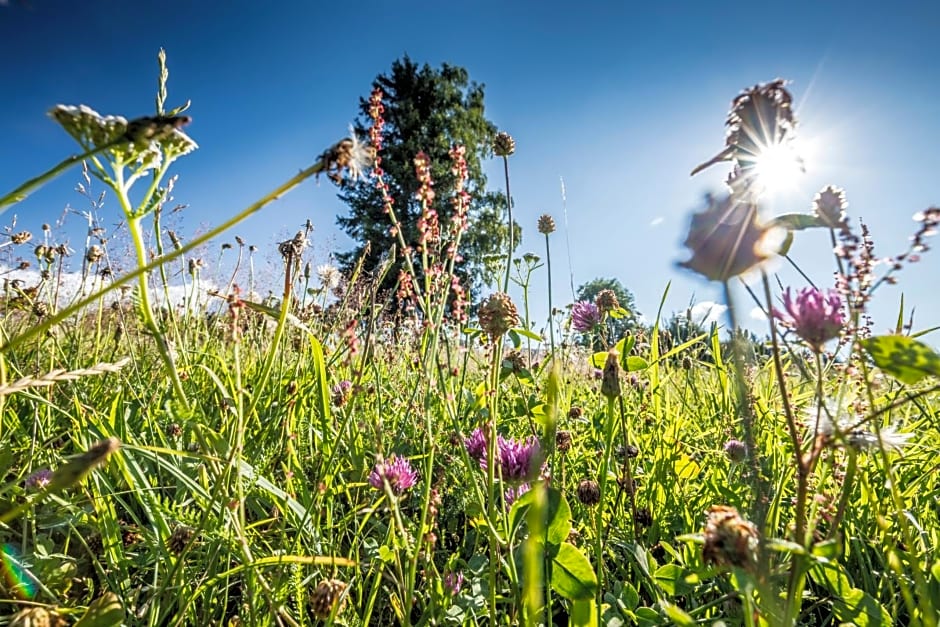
pixel 729 539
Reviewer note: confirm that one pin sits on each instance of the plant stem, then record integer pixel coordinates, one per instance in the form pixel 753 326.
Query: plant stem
pixel 509 211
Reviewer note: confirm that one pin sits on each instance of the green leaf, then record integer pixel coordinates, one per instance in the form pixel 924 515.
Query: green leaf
pixel 598 360
pixel 849 604
pixel 559 517
pixel 624 346
pixel 572 575
pixel 687 468
pixel 798 221
pixel 105 611
pixel 619 313
pixel 527 333
pixel 635 363
pixel 671 578
pixel 583 613
pixel 904 358
pixel 677 616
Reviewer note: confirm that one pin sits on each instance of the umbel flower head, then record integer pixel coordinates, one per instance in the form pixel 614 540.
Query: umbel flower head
pixel 397 471
pixel 814 315
pixel 585 316
pixel 498 314
pixel 728 239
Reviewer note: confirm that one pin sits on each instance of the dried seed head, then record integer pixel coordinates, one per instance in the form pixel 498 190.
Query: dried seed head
pixel 829 206
pixel 575 412
pixel 178 540
pixel 563 441
pixel 22 237
pixel 546 224
pixel 589 493
pixel 606 301
pixel 328 594
pixel 644 517
pixel 729 539
pixel 610 379
pixel 36 617
pixel 503 144
pixel 497 315
pixel 94 254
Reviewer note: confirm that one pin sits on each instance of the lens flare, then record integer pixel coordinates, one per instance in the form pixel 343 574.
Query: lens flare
pixel 18 579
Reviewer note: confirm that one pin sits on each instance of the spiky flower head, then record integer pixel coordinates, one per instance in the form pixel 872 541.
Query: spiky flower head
pixel 327 596
pixel 498 314
pixel 38 480
pixel 814 315
pixel 563 441
pixel 728 239
pixel 518 460
pixel 730 540
pixel 606 301
pixel 736 450
pixel 503 144
pixel 476 445
pixel 546 224
pixel 397 471
pixel 829 206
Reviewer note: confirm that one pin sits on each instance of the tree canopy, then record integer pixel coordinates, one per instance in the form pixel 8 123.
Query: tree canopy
pixel 427 110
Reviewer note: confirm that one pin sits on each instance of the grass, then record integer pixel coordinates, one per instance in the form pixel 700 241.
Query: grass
pixel 249 487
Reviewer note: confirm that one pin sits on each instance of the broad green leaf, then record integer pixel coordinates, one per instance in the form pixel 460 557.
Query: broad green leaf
pixel 598 360
pixel 559 517
pixel 671 578
pixel 634 363
pixel 572 575
pixel 105 611
pixel 849 604
pixel 583 613
pixel 904 358
pixel 618 313
pixel 687 468
pixel 624 346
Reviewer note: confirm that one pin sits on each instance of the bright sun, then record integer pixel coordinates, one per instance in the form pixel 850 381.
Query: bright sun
pixel 779 167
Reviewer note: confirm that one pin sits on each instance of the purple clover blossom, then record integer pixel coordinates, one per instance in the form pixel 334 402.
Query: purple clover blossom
pixel 341 392
pixel 513 493
pixel 814 315
pixel 476 445
pixel 397 471
pixel 516 459
pixel 39 479
pixel 453 582
pixel 585 316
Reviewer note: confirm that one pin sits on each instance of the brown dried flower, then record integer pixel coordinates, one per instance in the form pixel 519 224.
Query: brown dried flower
pixel 326 596
pixel 498 314
pixel 546 224
pixel 829 206
pixel 503 144
pixel 589 493
pixel 729 539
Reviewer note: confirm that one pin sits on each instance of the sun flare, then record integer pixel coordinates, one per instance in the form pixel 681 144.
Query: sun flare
pixel 779 167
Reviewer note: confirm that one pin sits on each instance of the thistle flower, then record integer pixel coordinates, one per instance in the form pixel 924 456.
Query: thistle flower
pixel 815 316
pixel 729 539
pixel 397 471
pixel 736 450
pixel 497 315
pixel 585 316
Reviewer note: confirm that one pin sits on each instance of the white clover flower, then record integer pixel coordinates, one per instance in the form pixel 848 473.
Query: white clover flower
pixel 329 276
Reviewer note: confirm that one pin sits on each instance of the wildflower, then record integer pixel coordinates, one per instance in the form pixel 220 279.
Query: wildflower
pixel 498 314
pixel 397 471
pixel 329 276
pixel 585 316
pixel 39 479
pixel 563 441
pixel 514 492
pixel 727 239
pixel 729 539
pixel 829 206
pixel 476 445
pixel 589 493
pixel 546 224
pixel 606 301
pixel 842 432
pixel 503 144
pixel 342 392
pixel 736 450
pixel 351 155
pixel 517 459
pixel 453 582
pixel 814 315
pixel 327 597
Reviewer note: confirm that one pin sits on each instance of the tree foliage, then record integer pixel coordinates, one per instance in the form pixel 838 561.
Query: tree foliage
pixel 427 110
pixel 616 327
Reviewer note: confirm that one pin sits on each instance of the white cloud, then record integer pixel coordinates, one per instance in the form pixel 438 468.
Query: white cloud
pixel 706 312
pixel 657 221
pixel 758 314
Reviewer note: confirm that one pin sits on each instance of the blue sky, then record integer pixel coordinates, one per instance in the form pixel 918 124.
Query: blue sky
pixel 620 100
